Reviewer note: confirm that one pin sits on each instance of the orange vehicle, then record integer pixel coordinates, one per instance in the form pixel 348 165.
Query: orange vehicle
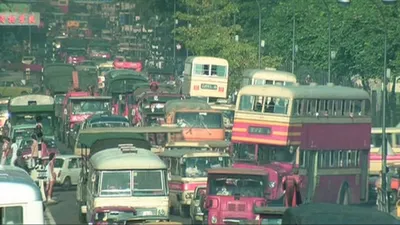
pixel 199 121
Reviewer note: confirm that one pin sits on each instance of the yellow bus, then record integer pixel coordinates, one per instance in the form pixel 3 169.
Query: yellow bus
pixel 393 148
pixel 206 77
pixel 267 76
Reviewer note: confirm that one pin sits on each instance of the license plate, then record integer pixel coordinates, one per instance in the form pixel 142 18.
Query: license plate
pixel 209 86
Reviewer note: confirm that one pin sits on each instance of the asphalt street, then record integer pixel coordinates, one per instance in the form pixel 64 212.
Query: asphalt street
pixel 65 211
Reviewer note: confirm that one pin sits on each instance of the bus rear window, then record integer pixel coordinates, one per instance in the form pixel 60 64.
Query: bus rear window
pixel 11 215
pixel 199 120
pixel 219 71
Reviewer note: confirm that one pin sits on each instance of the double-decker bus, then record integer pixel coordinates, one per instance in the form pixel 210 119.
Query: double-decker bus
pixel 393 148
pixel 206 77
pixel 267 76
pixel 323 130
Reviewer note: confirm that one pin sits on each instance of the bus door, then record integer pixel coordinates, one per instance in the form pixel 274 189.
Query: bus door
pixel 311 167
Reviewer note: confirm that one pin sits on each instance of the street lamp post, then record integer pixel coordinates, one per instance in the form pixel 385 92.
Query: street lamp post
pixel 329 39
pixel 174 48
pixel 259 34
pixel 384 185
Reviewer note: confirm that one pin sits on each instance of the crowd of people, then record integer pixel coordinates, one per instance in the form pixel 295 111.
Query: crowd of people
pixel 39 157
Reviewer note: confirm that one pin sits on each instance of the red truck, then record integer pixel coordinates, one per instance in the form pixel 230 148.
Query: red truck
pixel 78 106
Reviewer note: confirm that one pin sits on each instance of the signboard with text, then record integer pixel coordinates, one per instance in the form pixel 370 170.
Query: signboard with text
pixel 93 1
pixel 19 19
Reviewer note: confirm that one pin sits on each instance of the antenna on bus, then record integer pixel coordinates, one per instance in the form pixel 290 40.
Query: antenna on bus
pixel 127 148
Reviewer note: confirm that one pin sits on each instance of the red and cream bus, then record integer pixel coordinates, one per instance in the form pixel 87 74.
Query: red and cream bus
pixel 267 76
pixel 393 148
pixel 206 77
pixel 324 130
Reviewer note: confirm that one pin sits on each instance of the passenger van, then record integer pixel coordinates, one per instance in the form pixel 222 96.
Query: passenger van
pixel 188 169
pixel 20 198
pixel 125 176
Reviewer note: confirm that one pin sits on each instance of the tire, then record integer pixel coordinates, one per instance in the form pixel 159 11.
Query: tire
pixel 344 195
pixel 66 185
pixel 183 211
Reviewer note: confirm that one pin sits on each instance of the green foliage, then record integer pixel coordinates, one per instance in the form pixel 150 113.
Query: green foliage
pixel 212 33
pixel 357 35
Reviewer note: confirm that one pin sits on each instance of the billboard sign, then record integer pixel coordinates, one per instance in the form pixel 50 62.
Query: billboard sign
pixel 19 19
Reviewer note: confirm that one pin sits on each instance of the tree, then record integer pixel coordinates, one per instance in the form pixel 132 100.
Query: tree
pixel 212 33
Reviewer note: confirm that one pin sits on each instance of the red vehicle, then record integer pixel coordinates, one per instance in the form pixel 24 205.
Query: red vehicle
pixel 75 56
pixel 126 63
pixel 323 130
pixel 78 106
pixel 232 194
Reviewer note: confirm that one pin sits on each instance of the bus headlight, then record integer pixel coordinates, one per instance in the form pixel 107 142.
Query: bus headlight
pixel 271 184
pixel 214 220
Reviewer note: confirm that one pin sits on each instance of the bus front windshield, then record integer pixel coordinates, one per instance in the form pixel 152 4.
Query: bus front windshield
pixel 265 153
pixel 133 183
pixel 233 185
pixel 83 106
pixel 197 166
pixel 199 120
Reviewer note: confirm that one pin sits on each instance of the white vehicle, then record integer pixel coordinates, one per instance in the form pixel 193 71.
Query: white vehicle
pixel 20 198
pixel 67 169
pixel 267 76
pixel 125 177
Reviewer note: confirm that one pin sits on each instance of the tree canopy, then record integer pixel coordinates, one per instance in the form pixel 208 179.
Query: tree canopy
pixel 357 35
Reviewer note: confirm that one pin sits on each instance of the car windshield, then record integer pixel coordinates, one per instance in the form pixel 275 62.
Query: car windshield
pixel 199 120
pixel 3 108
pixel 232 184
pixel 83 106
pixel 23 133
pixel 47 121
pixel 197 167
pixel 136 183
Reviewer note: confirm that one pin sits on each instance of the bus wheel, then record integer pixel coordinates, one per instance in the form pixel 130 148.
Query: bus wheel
pixel 183 211
pixel 345 195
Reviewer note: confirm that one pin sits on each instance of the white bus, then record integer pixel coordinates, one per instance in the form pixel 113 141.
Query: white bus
pixel 267 76
pixel 126 176
pixel 20 198
pixel 206 77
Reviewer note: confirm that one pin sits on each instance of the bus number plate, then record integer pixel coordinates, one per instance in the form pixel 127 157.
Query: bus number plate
pixel 260 130
pixel 209 86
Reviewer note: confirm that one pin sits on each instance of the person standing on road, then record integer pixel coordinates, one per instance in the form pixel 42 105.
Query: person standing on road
pixel 5 150
pixel 51 178
pixel 34 150
pixel 21 163
pixel 14 150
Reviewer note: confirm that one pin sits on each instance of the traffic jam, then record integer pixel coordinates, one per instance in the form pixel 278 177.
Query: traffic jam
pixel 146 144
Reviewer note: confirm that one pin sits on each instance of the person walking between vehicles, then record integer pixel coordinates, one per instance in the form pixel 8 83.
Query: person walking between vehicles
pixel 5 150
pixel 51 177
pixel 34 150
pixel 21 163
pixel 14 150
pixel 291 187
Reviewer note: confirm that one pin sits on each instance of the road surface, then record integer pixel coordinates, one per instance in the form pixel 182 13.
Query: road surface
pixel 65 211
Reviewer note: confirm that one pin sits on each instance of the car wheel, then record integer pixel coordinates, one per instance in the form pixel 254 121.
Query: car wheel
pixel 67 183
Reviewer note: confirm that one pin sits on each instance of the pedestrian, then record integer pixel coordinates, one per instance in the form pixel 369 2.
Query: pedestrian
pixel 14 150
pixel 51 177
pixel 34 150
pixel 291 187
pixel 5 150
pixel 20 162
